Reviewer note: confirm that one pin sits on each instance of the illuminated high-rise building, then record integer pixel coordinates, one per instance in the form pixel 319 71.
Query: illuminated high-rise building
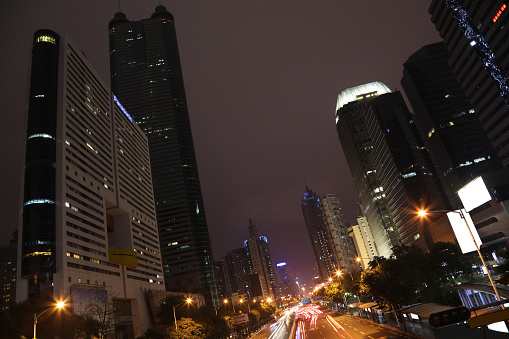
pixel 318 235
pixel 449 125
pixel 146 76
pixel 260 261
pixel 390 165
pixel 342 245
pixel 475 34
pixel 89 231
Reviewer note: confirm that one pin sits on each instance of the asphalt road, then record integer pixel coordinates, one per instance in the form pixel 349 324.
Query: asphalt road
pixel 315 323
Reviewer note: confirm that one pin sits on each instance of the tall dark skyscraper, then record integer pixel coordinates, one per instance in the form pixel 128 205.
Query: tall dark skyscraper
pixel 449 126
pixel 390 165
pixel 475 34
pixel 146 76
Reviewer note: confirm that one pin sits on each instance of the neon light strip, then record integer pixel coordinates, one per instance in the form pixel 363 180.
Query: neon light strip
pixel 122 108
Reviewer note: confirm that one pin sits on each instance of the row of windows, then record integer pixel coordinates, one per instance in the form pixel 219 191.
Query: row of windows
pixel 86 249
pixel 85 230
pixel 92 269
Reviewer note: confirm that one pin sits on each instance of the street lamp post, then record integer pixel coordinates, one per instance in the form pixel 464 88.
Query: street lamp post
pixel 247 302
pixel 60 304
pixel 189 300
pixel 226 302
pixel 460 212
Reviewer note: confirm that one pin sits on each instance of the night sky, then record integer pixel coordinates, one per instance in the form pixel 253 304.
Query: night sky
pixel 262 79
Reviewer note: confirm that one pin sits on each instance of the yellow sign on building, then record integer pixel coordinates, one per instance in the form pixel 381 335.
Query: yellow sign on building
pixel 123 256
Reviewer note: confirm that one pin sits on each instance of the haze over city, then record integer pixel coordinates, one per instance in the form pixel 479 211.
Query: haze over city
pixel 261 79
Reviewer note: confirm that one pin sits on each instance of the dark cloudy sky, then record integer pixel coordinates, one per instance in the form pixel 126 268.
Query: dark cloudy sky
pixel 262 79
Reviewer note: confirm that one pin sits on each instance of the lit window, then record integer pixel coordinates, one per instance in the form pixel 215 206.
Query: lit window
pixel 46 38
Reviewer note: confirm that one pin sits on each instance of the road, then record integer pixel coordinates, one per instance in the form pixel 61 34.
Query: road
pixel 316 323
pixel 278 330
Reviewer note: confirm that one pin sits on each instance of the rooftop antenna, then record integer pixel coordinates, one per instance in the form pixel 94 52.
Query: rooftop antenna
pixel 119 9
pixel 305 183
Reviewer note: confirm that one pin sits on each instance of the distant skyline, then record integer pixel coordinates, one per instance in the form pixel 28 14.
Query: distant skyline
pixel 261 79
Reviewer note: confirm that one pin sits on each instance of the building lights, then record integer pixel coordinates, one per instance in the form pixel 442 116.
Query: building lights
pixel 495 18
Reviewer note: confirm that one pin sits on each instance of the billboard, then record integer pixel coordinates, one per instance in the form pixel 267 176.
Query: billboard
pixel 461 231
pixel 474 194
pixel 240 319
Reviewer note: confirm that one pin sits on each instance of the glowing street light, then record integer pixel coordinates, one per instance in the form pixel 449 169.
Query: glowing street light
pixel 188 301
pixel 59 305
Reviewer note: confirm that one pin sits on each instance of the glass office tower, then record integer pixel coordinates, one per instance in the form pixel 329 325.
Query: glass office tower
pixel 146 76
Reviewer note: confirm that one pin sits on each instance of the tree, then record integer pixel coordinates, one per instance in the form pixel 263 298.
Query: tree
pixel 390 283
pixel 503 269
pixel 189 329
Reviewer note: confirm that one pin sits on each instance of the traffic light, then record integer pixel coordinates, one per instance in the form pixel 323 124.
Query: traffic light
pixel 449 317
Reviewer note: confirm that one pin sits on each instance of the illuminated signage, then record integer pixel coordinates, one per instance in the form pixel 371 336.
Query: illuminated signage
pixel 495 18
pixel 281 264
pixel 122 108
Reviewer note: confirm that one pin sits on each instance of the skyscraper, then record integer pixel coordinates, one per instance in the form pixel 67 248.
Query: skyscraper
pixel 8 260
pixel 342 245
pixel 358 146
pixel 236 271
pixel 475 34
pixel 147 78
pixel 390 165
pixel 88 198
pixel 449 126
pixel 318 234
pixel 259 254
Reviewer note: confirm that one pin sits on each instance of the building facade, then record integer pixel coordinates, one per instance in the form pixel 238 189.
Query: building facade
pixel 475 35
pixel 342 246
pixel 237 268
pixel 318 235
pixel 286 284
pixel 259 256
pixel 449 126
pixel 146 76
pixel 8 266
pixel 389 163
pixel 88 198
pixel 363 240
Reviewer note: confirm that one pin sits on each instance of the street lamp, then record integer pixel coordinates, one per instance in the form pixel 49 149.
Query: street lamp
pixel 189 300
pixel 247 302
pixel 59 305
pixel 338 273
pixel 462 215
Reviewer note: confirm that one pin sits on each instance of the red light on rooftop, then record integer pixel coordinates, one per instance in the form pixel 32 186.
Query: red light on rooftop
pixel 495 18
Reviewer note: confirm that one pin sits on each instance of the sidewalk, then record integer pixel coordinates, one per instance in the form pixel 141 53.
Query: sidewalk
pixel 413 329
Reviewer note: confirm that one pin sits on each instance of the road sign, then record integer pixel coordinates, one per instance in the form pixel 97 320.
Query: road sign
pixel 240 319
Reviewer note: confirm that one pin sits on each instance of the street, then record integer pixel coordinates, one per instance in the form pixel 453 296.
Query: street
pixel 315 323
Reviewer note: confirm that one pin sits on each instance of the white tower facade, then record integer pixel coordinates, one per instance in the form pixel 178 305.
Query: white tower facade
pixel 89 231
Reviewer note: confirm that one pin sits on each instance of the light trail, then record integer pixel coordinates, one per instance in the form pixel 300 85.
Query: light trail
pixel 336 326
